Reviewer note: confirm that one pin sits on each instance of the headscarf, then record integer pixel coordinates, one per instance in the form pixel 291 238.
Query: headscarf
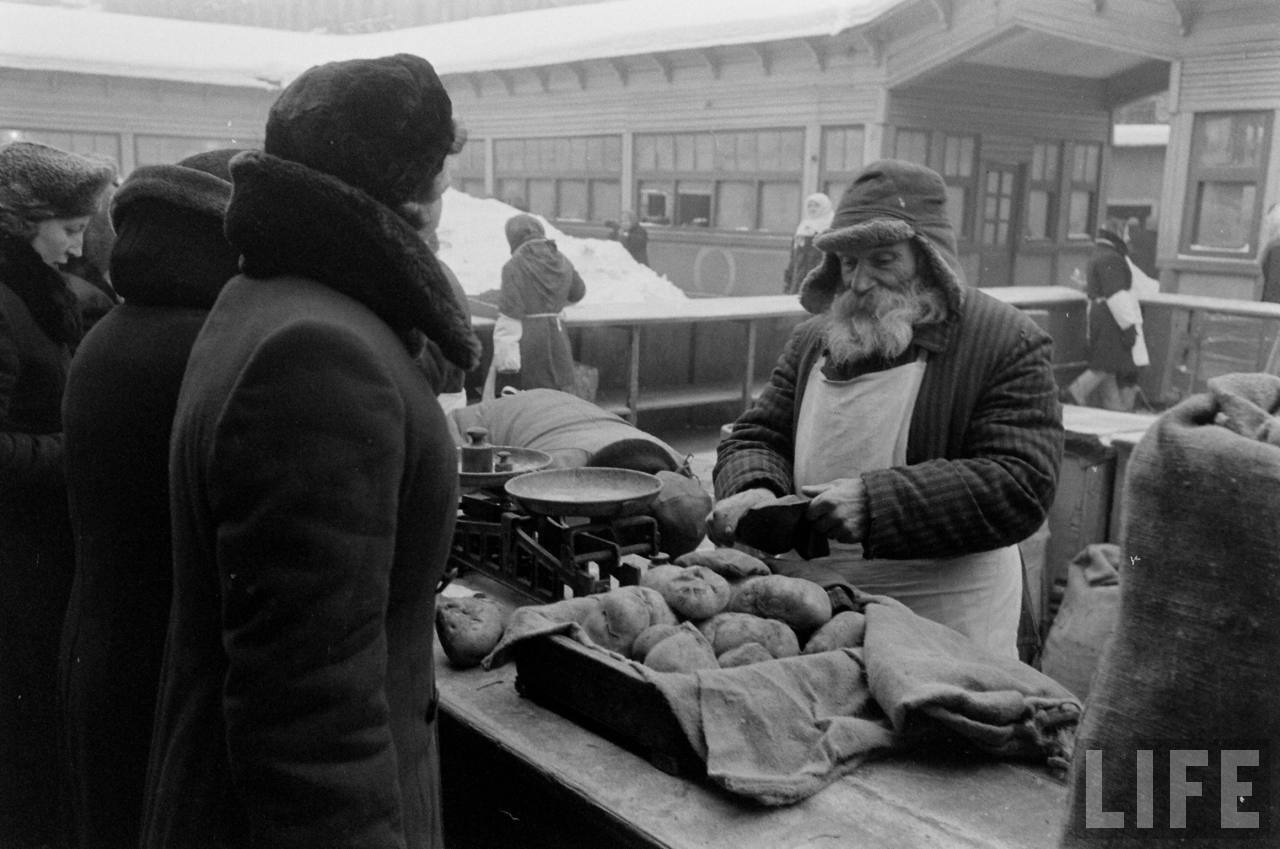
pixel 521 228
pixel 812 224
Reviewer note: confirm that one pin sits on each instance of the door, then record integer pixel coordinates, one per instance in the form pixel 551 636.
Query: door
pixel 998 223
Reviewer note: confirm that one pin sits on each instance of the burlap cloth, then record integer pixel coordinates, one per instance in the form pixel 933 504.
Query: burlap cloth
pixel 780 731
pixel 1195 659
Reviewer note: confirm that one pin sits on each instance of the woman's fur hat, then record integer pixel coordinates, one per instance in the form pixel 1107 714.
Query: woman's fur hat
pixel 381 125
pixel 39 182
pixel 890 201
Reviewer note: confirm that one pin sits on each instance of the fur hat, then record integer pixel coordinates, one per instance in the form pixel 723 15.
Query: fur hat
pixel 381 125
pixel 38 182
pixel 521 228
pixel 890 201
pixel 200 183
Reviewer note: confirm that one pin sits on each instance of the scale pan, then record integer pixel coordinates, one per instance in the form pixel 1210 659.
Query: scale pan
pixel 593 491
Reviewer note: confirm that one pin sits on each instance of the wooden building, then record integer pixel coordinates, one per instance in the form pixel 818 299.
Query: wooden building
pixel 714 120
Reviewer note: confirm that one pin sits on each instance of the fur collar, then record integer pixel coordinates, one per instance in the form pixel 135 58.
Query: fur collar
pixel 286 218
pixel 42 288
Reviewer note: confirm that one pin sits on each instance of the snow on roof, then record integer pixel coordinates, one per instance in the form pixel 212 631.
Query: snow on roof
pixel 89 41
pixel 1140 135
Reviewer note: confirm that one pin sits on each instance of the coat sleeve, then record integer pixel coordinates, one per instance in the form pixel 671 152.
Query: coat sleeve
pixel 25 458
pixel 577 289
pixel 304 481
pixel 510 298
pixel 760 450
pixel 996 489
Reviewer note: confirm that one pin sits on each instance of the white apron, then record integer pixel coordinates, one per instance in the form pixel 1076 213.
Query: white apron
pixel 847 427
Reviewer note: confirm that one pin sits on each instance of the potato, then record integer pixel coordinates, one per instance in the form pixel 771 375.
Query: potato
pixel 727 562
pixel 727 631
pixel 650 637
pixel 693 592
pixel 844 631
pixel 469 628
pixel 801 604
pixel 621 616
pixel 743 655
pixel 684 651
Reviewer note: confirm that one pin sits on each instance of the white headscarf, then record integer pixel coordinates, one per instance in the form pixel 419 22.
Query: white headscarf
pixel 812 224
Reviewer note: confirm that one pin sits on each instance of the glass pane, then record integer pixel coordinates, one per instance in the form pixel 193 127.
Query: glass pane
pixel 854 149
pixel 791 155
pixel 511 192
pixel 704 152
pixel 769 151
pixel 549 154
pixel 502 155
pixel 564 160
pixel 951 157
pixel 1080 215
pixel 613 154
pixel 1224 216
pixel 573 200
pixel 606 200
pixel 735 205
pixel 1037 162
pixel 957 202
pixel 646 152
pixel 1053 153
pixel 578 154
pixel 748 158
pixel 542 197
pixel 693 204
pixel 989 233
pixel 475 188
pixel 655 202
pixel 1037 214
pixel 779 205
pixel 666 153
pixel 833 142
pixel 684 152
pixel 1231 140
pixel 966 156
pixel 726 151
pixel 595 154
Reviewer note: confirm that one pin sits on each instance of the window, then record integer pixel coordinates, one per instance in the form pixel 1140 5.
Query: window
pixel 573 178
pixel 912 146
pixel 466 168
pixel 843 150
pixel 733 180
pixel 1042 192
pixel 1082 201
pixel 959 154
pixel 1225 176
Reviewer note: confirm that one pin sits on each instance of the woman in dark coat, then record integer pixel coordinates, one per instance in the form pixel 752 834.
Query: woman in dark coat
pixel 169 261
pixel 313 488
pixel 46 198
pixel 804 257
pixel 1111 372
pixel 537 283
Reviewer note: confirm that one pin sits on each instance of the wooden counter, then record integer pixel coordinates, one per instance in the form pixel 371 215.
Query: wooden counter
pixel 518 775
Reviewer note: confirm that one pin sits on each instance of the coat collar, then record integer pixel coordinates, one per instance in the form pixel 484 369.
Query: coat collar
pixel 285 218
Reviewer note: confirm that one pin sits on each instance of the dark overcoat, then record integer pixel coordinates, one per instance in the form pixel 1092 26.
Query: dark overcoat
pixel 314 490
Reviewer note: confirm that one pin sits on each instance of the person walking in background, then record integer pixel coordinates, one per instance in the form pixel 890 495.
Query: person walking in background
pixel 804 256
pixel 314 489
pixel 1269 255
pixel 47 196
pixel 1116 347
pixel 633 236
pixel 530 346
pixel 169 261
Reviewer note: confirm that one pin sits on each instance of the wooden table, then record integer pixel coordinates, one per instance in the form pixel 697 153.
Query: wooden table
pixel 518 775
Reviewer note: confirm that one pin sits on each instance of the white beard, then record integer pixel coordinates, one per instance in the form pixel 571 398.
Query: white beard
pixel 881 323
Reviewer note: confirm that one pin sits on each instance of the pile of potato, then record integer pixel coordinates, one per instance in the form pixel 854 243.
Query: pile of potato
pixel 732 611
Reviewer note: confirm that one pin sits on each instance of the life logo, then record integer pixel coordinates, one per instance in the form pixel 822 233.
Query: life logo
pixel 1176 789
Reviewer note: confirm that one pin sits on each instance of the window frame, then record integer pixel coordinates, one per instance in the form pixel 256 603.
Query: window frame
pixel 1071 185
pixel 1249 175
pixel 524 161
pixel 1051 185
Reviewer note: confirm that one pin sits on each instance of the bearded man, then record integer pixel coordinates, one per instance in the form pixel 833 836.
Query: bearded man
pixel 920 416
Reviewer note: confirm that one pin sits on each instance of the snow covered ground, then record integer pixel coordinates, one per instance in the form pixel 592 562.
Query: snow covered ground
pixel 474 244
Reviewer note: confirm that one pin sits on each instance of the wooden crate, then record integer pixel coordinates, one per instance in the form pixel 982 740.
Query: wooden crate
pixel 607 696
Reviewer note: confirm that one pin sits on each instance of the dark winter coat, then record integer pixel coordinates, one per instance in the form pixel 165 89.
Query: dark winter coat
pixel 537 283
pixel 1110 347
pixel 314 489
pixel 1271 272
pixel 636 240
pixel 38 327
pixel 170 262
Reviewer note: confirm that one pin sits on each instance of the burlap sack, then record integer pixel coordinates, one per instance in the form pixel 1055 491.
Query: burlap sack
pixel 1195 660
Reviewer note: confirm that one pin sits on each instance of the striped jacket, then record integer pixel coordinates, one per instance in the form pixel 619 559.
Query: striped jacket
pixel 983 450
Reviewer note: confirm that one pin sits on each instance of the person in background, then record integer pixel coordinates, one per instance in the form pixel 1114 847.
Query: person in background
pixel 169 261
pixel 1112 370
pixel 47 197
pixel 530 346
pixel 632 235
pixel 804 256
pixel 448 379
pixel 313 487
pixel 918 414
pixel 1269 255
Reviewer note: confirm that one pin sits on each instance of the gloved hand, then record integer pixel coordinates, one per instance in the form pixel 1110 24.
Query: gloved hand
pixel 722 522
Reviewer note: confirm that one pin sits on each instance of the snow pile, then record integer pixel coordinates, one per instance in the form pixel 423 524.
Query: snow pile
pixel 474 244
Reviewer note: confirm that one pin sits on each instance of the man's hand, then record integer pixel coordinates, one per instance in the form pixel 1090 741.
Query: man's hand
pixel 722 523
pixel 839 509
